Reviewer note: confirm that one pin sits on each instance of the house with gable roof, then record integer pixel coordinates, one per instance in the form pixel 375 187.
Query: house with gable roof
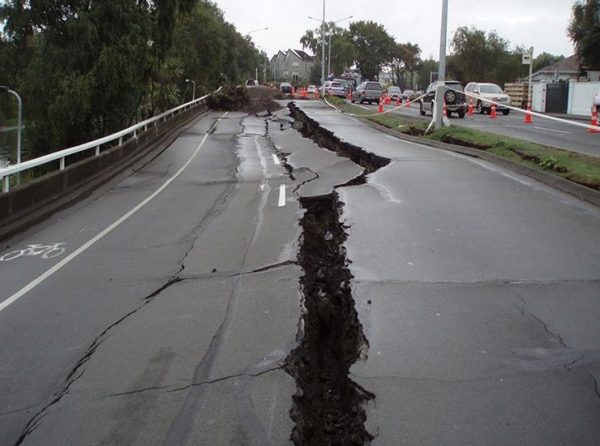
pixel 292 66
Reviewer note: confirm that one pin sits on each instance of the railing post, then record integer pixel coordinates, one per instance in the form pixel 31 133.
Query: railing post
pixel 62 163
pixel 97 150
pixel 120 140
pixel 6 183
pixel 135 134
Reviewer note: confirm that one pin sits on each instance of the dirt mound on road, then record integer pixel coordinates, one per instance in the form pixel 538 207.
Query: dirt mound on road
pixel 252 100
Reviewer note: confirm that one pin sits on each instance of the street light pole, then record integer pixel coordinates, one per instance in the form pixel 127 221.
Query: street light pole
pixel 441 89
pixel 248 34
pixel 329 56
pixel 193 88
pixel 323 51
pixel 329 48
pixel 4 89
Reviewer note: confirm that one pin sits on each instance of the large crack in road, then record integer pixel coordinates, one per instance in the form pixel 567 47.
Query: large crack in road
pixel 328 405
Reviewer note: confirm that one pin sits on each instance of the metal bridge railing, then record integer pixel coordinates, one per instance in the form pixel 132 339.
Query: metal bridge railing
pixel 61 156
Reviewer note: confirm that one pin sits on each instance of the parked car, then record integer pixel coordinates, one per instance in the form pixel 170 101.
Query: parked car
pixel 394 93
pixel 488 91
pixel 312 89
pixel 455 100
pixel 346 84
pixel 335 88
pixel 408 94
pixel 368 92
pixel 286 88
pixel 251 83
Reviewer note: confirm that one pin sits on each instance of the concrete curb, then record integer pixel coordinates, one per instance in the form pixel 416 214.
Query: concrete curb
pixel 86 183
pixel 577 190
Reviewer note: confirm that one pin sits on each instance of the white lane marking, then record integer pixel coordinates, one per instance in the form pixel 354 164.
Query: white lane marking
pixel 362 106
pixel 281 196
pixel 552 130
pixel 31 285
pixel 275 159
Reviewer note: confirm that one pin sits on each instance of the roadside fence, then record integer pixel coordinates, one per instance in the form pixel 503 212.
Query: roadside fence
pixel 96 145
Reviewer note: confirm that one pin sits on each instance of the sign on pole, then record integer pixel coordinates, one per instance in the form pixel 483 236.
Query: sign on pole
pixel 527 59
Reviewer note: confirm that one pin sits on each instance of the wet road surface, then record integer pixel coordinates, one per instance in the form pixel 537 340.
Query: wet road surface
pixel 542 131
pixel 476 294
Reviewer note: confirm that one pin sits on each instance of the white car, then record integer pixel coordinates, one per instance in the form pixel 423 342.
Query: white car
pixel 335 88
pixel 394 93
pixel 312 89
pixel 488 91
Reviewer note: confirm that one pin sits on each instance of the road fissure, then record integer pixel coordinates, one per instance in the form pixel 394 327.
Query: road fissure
pixel 328 407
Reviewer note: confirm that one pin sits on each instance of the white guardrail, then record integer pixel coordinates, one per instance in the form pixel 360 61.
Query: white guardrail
pixel 61 155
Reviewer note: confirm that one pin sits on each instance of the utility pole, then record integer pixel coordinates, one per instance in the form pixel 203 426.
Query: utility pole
pixel 439 95
pixel 323 52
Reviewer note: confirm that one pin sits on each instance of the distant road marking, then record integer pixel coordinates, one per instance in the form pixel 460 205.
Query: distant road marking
pixel 281 196
pixel 552 130
pixel 362 106
pixel 275 159
pixel 12 299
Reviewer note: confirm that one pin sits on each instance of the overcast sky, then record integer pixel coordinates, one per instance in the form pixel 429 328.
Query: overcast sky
pixel 538 23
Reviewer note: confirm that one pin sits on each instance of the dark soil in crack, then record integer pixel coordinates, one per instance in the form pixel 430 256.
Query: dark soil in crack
pixel 328 404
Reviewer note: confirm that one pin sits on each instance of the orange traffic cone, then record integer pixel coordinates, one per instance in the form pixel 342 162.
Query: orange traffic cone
pixel 470 111
pixel 528 118
pixel 493 112
pixel 380 108
pixel 408 103
pixel 594 124
pixel 398 102
pixel 445 110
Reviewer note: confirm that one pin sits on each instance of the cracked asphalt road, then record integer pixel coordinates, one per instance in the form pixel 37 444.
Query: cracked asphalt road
pixel 477 290
pixel 173 328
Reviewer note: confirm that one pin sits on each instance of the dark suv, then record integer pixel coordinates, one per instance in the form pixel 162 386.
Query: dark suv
pixel 455 100
pixel 368 92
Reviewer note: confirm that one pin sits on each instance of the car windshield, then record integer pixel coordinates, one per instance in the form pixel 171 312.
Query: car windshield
pixel 455 86
pixel 394 89
pixel 336 84
pixel 490 88
pixel 373 86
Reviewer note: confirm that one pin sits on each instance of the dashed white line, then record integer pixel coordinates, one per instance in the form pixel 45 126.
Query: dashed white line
pixel 552 130
pixel 281 196
pixel 41 278
pixel 275 159
pixel 362 106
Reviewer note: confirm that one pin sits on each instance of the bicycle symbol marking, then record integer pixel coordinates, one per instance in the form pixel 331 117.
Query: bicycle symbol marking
pixel 43 251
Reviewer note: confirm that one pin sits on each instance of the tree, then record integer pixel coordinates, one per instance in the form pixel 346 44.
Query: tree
pixel 374 47
pixel 584 31
pixel 88 68
pixel 342 49
pixel 483 57
pixel 424 70
pixel 544 60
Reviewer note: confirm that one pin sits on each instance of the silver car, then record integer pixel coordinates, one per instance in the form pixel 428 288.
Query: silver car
pixel 368 92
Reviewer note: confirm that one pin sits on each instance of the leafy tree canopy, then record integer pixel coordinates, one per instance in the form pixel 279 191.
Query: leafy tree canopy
pixel 584 30
pixel 374 47
pixel 478 56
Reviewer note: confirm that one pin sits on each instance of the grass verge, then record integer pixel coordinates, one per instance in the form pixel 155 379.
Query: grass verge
pixel 577 167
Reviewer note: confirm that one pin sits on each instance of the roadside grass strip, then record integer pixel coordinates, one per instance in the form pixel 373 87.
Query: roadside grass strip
pixel 577 167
